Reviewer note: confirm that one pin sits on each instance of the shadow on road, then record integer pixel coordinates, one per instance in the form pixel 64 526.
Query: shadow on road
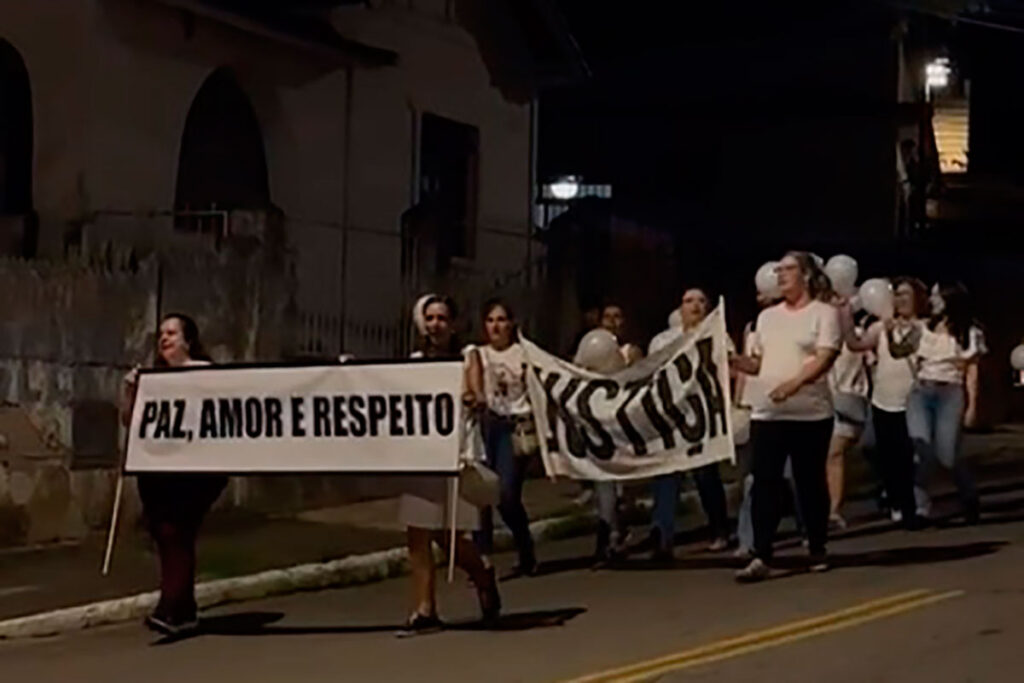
pixel 262 624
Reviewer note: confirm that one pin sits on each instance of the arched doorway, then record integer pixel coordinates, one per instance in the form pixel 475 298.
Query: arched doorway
pixel 16 216
pixel 222 164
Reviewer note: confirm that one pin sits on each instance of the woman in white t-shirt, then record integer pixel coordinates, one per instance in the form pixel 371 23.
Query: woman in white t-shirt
pixel 848 380
pixel 503 366
pixel 423 506
pixel 942 352
pixel 892 380
pixel 794 346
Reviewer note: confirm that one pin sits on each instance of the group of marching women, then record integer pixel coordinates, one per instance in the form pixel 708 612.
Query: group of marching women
pixel 812 373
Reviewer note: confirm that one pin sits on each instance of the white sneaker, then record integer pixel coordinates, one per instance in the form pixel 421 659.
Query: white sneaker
pixel 896 516
pixel 753 572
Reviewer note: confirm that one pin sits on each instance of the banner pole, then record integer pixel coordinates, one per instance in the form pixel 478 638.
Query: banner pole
pixel 453 503
pixel 112 533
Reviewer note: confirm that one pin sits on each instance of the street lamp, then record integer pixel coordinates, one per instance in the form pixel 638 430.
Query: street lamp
pixel 936 75
pixel 565 188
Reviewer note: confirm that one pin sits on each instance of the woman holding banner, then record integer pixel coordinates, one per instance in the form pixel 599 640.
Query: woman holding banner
pixel 423 508
pixel 794 346
pixel 692 310
pixel 510 436
pixel 174 504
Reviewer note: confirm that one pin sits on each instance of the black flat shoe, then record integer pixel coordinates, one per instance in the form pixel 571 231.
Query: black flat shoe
pixel 521 570
pixel 420 624
pixel 171 628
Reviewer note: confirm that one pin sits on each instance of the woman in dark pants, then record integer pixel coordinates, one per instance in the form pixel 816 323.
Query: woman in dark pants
pixel 795 344
pixel 893 379
pixel 175 504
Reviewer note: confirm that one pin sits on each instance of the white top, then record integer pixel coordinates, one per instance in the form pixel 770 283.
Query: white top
pixel 787 340
pixel 941 358
pixel 893 378
pixel 849 374
pixel 505 380
pixel 667 336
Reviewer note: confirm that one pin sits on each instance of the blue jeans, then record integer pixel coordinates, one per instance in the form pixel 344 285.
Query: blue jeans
pixel 511 470
pixel 712 498
pixel 935 413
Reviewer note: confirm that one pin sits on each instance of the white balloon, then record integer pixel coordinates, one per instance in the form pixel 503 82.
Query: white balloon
pixel 599 352
pixel 1017 358
pixel 876 295
pixel 675 318
pixel 856 304
pixel 767 280
pixel 842 272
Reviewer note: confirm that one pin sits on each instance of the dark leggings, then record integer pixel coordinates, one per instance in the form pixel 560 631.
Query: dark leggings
pixel 895 459
pixel 175 505
pixel 806 443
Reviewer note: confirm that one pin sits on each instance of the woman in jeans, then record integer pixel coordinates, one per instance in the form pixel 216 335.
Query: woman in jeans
pixel 693 309
pixel 794 346
pixel 503 367
pixel 942 352
pixel 423 507
pixel 174 504
pixel 892 381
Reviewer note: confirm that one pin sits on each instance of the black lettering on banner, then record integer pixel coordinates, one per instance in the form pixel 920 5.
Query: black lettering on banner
pixel 691 432
pixel 410 417
pixel 423 400
pixel 208 419
pixel 657 420
pixel 163 421
pixel 148 417
pixel 394 415
pixel 253 418
pixel 378 411
pixel 551 407
pixel 179 420
pixel 272 414
pixel 339 416
pixel 230 418
pixel 298 416
pixel 604 449
pixel 355 411
pixel 634 436
pixel 707 378
pixel 444 414
pixel 321 416
pixel 577 447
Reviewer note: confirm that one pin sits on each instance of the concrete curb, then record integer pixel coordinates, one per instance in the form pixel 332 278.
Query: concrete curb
pixel 353 570
pixel 348 571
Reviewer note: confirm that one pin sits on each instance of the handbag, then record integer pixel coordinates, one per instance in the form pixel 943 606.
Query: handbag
pixel 525 440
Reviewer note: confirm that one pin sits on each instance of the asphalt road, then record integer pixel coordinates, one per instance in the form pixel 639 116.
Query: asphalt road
pixel 938 605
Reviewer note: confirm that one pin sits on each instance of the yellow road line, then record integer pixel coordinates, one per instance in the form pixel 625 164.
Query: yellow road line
pixel 772 637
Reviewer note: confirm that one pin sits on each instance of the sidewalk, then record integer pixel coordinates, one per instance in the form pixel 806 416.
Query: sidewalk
pixel 40 580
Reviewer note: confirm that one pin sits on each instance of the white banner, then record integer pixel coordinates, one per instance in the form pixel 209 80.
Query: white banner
pixel 667 413
pixel 396 417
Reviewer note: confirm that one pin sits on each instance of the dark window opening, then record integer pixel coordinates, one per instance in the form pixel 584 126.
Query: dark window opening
pixel 222 165
pixel 94 434
pixel 448 182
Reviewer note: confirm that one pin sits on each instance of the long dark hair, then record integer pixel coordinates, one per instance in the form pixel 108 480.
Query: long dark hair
pixel 454 344
pixel 498 302
pixel 956 312
pixel 818 285
pixel 190 332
